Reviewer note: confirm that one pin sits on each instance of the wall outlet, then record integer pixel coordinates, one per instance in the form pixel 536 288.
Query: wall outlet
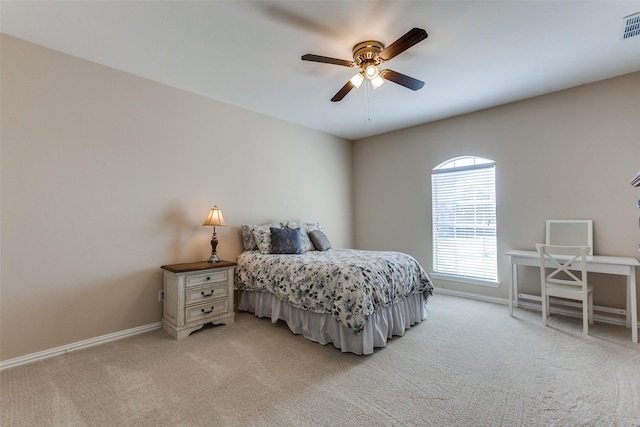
pixel 160 295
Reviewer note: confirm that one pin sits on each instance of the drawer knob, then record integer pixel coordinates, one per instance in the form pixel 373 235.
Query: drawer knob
pixel 207 312
pixel 208 278
pixel 206 295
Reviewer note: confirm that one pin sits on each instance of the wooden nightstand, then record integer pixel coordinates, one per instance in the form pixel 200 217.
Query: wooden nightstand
pixel 195 294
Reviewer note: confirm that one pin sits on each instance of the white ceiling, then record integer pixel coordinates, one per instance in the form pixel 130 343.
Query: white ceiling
pixel 478 54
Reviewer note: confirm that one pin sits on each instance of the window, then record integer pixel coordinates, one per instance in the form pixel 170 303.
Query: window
pixel 464 221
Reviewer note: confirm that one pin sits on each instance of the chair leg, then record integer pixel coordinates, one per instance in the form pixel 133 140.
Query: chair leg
pixel 545 309
pixel 591 308
pixel 585 316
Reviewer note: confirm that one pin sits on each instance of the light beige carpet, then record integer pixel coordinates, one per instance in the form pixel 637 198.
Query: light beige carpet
pixel 469 364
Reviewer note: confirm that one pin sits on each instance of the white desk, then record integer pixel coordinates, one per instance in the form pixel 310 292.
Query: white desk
pixel 596 263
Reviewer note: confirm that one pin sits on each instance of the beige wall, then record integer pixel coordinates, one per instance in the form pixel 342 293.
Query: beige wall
pixel 106 176
pixel 567 155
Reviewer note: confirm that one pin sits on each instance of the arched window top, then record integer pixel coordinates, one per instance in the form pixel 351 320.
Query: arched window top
pixel 464 162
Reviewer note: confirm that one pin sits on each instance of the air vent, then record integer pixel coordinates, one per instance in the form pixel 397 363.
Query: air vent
pixel 631 26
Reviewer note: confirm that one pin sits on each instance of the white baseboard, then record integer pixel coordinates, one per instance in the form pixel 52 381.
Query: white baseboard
pixel 33 357
pixel 504 301
pixel 536 306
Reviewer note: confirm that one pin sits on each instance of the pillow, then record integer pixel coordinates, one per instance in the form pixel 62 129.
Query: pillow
pixel 305 228
pixel 319 240
pixel 263 240
pixel 248 241
pixel 285 241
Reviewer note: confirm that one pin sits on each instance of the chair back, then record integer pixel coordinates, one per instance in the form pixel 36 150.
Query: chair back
pixel 561 260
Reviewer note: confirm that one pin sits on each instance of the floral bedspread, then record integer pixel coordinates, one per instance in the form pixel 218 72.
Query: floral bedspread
pixel 349 284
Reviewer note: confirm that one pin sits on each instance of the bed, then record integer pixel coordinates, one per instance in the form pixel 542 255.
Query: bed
pixel 354 299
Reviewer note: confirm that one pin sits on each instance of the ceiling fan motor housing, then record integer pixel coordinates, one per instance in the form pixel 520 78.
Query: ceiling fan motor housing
pixel 367 52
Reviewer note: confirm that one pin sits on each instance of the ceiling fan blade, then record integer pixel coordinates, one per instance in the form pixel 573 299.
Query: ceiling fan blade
pixel 412 37
pixel 401 79
pixel 343 92
pixel 327 60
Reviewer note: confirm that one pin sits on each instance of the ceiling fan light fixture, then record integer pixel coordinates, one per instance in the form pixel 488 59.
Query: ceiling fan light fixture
pixel 377 81
pixel 371 71
pixel 357 80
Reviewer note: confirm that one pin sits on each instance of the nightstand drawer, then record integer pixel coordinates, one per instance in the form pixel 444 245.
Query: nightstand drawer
pixel 200 294
pixel 210 309
pixel 203 279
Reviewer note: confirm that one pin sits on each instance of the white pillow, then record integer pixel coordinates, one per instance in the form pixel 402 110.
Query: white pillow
pixel 262 237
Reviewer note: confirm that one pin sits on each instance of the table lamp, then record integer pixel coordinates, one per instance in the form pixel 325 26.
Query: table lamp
pixel 215 219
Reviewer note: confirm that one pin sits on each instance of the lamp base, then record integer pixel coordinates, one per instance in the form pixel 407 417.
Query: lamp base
pixel 214 245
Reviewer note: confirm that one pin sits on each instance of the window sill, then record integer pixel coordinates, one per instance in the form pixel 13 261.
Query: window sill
pixel 464 279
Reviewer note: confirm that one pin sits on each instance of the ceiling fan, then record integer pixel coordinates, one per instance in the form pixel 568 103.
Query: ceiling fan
pixel 368 55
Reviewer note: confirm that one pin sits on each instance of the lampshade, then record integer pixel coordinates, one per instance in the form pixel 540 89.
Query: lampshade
pixel 371 71
pixel 377 81
pixel 215 218
pixel 357 79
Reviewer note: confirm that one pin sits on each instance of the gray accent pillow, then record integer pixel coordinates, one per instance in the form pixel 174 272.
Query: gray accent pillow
pixel 319 240
pixel 285 241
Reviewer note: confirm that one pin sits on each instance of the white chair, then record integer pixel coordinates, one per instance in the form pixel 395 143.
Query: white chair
pixel 563 282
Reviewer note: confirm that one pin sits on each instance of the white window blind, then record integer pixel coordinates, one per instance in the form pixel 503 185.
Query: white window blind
pixel 464 219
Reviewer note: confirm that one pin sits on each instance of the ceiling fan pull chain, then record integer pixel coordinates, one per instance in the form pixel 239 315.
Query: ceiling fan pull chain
pixel 367 94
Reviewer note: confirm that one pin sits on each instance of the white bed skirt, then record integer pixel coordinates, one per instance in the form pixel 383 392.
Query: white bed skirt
pixel 324 329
